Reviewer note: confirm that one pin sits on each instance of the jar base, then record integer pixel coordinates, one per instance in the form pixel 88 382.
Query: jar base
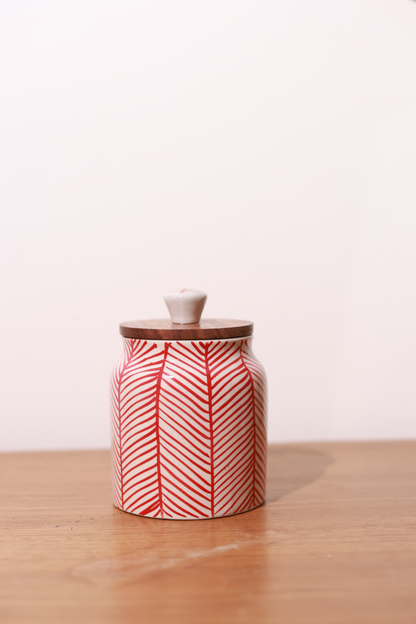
pixel 192 519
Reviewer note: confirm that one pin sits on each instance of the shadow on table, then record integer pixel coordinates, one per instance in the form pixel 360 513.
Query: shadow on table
pixel 188 560
pixel 291 468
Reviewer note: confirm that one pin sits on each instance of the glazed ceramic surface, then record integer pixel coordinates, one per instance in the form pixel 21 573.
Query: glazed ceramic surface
pixel 185 306
pixel 188 428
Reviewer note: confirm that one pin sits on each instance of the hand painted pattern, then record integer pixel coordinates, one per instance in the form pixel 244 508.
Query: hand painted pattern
pixel 134 386
pixel 188 428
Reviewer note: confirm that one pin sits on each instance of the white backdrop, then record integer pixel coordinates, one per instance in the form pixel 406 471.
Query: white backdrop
pixel 263 151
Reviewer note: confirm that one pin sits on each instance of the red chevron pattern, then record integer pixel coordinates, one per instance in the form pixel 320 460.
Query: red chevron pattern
pixel 134 385
pixel 188 429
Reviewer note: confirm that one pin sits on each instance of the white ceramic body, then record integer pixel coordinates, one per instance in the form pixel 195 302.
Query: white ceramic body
pixel 188 428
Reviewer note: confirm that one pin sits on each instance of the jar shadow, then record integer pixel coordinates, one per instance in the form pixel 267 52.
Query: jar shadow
pixel 193 559
pixel 290 468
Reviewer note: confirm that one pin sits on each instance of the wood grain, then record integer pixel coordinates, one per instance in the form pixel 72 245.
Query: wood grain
pixel 334 544
pixel 206 329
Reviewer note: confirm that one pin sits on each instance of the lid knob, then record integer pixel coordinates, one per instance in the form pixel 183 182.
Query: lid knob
pixel 185 306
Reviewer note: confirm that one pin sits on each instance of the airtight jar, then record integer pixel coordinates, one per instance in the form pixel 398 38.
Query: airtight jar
pixel 188 415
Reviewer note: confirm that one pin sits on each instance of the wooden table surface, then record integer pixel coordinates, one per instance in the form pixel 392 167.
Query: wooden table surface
pixel 335 543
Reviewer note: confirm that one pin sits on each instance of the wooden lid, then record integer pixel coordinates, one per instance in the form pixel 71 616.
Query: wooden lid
pixel 206 329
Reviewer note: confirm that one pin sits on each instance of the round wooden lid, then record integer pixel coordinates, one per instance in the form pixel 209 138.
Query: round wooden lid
pixel 206 329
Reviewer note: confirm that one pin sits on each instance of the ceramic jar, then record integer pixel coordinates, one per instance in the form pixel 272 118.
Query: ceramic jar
pixel 188 415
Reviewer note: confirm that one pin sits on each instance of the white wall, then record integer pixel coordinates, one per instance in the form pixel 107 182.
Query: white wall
pixel 263 151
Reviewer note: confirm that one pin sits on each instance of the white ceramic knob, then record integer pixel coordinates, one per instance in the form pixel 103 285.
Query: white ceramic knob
pixel 185 306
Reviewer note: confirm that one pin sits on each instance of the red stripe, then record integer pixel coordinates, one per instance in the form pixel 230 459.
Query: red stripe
pixel 236 394
pixel 142 463
pixel 189 451
pixel 172 368
pixel 126 362
pixel 142 407
pixel 177 512
pixel 221 413
pixel 138 433
pixel 230 439
pixel 184 403
pixel 145 501
pixel 195 361
pixel 141 455
pixel 133 376
pixel 181 499
pixel 140 490
pixel 254 426
pixel 188 350
pixel 141 413
pixel 242 472
pixel 159 381
pixel 242 507
pixel 185 428
pixel 234 451
pixel 127 397
pixel 242 414
pixel 139 440
pixel 201 353
pixel 222 391
pixel 227 365
pixel 187 393
pixel 236 461
pixel 219 479
pixel 225 418
pixel 136 423
pixel 138 482
pixel 146 511
pixel 169 422
pixel 187 512
pixel 227 379
pixel 233 499
pixel 207 368
pixel 178 480
pixel 187 467
pixel 186 362
pixel 183 414
pixel 217 361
